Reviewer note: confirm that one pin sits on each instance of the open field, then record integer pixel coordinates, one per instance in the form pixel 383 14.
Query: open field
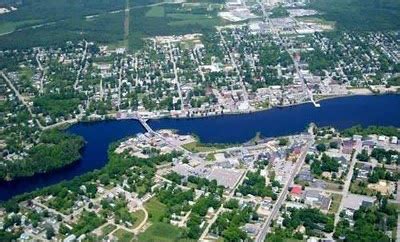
pixel 156 12
pixel 161 232
pixel 7 27
pixel 169 19
pixel 158 231
pixel 107 229
pixel 139 215
pixel 336 199
pixel 199 147
pixel 123 235
pixel 155 209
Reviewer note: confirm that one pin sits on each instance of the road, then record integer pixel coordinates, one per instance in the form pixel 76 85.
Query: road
pixel 296 64
pixel 82 65
pixel 126 24
pixel 121 70
pixel 282 196
pixel 21 98
pixel 49 209
pixel 235 66
pixel 221 208
pixel 176 79
pixel 347 182
pixel 398 229
pixel 42 70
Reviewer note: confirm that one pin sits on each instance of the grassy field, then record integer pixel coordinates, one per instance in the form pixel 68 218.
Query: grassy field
pixel 155 209
pixel 156 12
pixel 7 27
pixel 108 229
pixel 123 235
pixel 139 215
pixel 170 19
pixel 336 199
pixel 363 190
pixel 161 232
pixel 199 147
pixel 182 19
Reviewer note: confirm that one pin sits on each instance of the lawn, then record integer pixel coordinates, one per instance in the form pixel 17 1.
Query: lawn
pixel 155 209
pixel 156 12
pixel 7 27
pixel 357 188
pixel 204 22
pixel 182 19
pixel 107 229
pixel 336 199
pixel 123 235
pixel 199 147
pixel 139 215
pixel 161 232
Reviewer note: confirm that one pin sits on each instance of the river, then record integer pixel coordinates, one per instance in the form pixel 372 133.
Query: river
pixel 340 113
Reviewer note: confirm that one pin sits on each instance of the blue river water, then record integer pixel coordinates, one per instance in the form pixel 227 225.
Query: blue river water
pixel 340 113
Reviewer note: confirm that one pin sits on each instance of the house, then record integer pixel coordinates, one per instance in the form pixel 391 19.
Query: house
pixel 348 146
pixel 296 192
pixel 317 200
pixel 304 176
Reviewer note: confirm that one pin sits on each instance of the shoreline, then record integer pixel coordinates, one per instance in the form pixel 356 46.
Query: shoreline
pixel 51 177
pixel 112 116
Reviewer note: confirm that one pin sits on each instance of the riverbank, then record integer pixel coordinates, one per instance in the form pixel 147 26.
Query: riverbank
pixel 113 116
pixel 340 113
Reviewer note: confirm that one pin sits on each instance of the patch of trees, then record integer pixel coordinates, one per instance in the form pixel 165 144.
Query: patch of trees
pixel 363 156
pixel 254 184
pixel 175 199
pixel 386 156
pixel 206 185
pixel 380 173
pixel 360 15
pixel 272 55
pixel 370 224
pixel 312 219
pixel 319 61
pixel 199 210
pixel 378 130
pixel 54 150
pixel 87 222
pixel 174 177
pixel 329 164
pixel 395 81
pixel 228 224
pixel 279 12
pixel 57 105
pixel 118 208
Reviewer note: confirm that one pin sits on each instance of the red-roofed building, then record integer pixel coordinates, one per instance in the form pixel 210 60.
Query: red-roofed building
pixel 296 191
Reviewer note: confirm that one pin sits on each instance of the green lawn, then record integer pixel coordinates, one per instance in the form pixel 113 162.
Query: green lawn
pixel 182 19
pixel 107 229
pixel 156 12
pixel 336 199
pixel 123 235
pixel 199 147
pixel 356 188
pixel 161 232
pixel 8 27
pixel 158 231
pixel 155 209
pixel 139 215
